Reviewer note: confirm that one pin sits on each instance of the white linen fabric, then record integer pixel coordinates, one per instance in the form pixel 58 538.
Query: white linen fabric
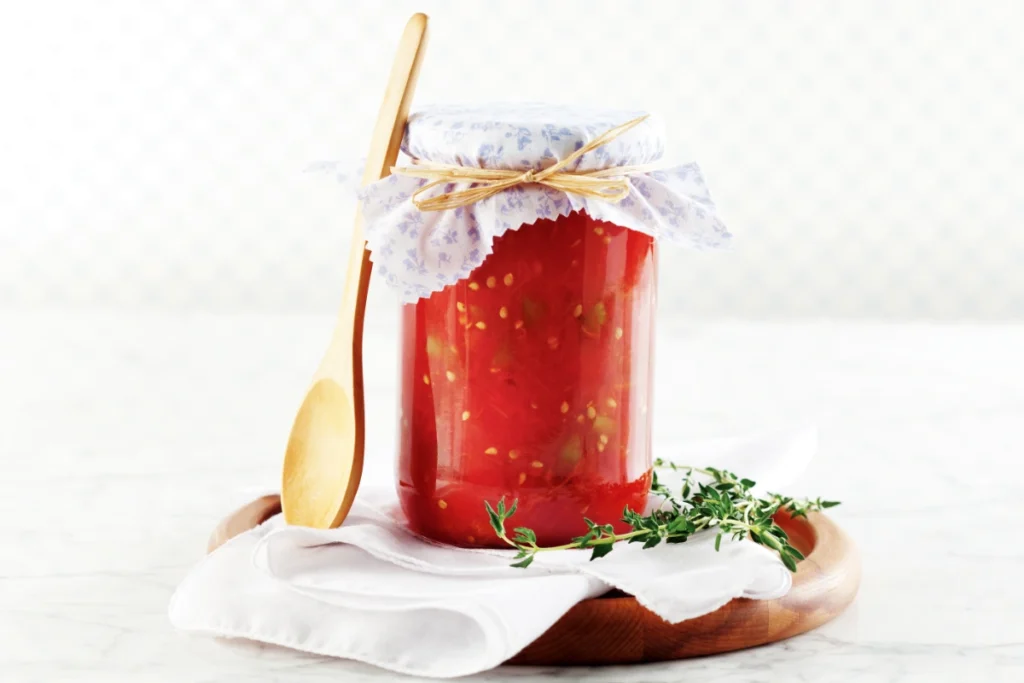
pixel 375 592
pixel 420 252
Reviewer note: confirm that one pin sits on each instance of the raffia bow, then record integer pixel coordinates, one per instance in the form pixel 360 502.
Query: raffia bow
pixel 609 184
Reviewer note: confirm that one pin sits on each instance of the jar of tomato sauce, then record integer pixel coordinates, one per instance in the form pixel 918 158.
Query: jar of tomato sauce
pixel 528 333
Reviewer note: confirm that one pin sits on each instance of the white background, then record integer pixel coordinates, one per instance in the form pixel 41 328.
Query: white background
pixel 868 155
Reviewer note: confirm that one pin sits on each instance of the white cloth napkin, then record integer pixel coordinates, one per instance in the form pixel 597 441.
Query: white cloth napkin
pixel 374 592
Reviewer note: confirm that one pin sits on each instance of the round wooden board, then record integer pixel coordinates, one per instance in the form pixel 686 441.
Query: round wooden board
pixel 615 629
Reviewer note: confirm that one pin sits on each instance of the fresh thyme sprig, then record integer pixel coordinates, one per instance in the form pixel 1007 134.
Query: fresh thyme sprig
pixel 725 503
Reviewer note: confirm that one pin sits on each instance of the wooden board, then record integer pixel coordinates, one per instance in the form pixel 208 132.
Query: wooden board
pixel 615 629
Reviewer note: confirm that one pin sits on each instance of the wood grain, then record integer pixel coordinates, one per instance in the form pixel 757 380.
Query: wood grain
pixel 615 629
pixel 247 517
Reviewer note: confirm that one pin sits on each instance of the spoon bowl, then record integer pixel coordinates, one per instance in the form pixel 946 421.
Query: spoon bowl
pixel 321 457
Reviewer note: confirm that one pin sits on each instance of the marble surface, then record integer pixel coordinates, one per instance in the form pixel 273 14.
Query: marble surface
pixel 124 438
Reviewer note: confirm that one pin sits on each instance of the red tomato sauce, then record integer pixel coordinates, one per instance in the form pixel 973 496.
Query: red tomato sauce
pixel 531 379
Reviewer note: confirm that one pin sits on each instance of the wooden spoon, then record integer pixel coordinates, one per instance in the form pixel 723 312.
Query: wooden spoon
pixel 324 458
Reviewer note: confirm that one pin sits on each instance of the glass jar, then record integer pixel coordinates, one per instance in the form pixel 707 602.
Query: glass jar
pixel 530 380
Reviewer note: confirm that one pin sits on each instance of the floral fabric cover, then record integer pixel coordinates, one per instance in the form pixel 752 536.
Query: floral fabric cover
pixel 421 252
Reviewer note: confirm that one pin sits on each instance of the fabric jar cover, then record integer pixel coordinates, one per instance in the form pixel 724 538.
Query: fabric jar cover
pixel 421 252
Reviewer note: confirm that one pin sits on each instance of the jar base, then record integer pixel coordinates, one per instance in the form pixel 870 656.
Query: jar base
pixel 455 514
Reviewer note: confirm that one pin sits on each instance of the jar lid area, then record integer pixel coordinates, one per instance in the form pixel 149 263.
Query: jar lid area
pixel 525 136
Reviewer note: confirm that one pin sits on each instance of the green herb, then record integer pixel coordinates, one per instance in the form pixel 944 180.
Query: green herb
pixel 572 450
pixel 533 311
pixel 725 503
pixel 604 424
pixel 593 319
pixel 434 346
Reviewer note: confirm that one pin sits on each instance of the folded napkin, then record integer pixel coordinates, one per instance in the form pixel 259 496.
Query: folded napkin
pixel 373 591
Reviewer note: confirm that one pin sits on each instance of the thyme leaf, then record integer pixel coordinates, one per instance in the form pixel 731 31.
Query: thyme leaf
pixel 724 502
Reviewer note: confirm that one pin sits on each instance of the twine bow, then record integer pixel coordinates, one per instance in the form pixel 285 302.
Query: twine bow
pixel 607 184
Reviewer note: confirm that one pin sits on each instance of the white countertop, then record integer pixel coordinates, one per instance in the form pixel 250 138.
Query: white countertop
pixel 125 438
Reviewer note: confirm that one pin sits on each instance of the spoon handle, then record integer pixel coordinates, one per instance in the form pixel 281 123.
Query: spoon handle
pixel 387 136
pixel 384 147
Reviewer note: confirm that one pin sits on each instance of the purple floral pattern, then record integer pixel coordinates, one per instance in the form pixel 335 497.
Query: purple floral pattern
pixel 419 253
